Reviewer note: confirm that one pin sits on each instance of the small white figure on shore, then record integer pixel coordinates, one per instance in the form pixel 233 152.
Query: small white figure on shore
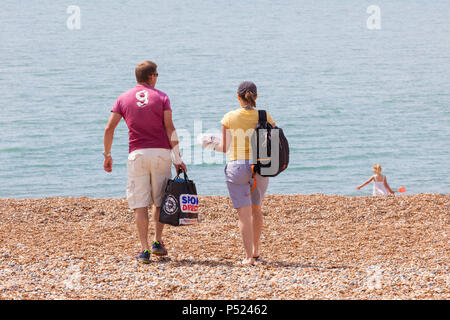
pixel 380 185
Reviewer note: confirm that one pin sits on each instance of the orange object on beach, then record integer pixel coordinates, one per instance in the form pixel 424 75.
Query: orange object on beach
pixel 402 189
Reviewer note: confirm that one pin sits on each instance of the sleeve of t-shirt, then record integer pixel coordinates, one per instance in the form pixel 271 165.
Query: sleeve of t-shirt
pixel 166 103
pixel 117 108
pixel 226 120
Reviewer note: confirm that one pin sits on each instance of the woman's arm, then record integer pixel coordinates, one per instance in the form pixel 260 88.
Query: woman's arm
pixel 365 183
pixel 226 140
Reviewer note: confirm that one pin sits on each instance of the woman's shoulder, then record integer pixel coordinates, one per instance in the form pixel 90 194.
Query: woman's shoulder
pixel 230 113
pixel 235 113
pixel 229 117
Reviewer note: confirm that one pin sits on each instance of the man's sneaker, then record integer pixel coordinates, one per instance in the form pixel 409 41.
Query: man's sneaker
pixel 159 249
pixel 143 257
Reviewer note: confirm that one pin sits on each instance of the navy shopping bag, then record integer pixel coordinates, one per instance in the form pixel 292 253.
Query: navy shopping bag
pixel 180 202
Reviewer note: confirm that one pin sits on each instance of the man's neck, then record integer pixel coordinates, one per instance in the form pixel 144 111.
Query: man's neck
pixel 145 84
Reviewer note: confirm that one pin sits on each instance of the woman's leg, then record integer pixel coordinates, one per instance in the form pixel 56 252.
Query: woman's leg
pixel 246 228
pixel 257 219
pixel 257 196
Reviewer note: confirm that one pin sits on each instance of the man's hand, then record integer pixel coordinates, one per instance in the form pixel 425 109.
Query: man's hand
pixel 107 164
pixel 178 166
pixel 108 139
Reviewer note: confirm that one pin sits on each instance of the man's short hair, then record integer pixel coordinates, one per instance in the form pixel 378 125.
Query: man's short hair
pixel 144 70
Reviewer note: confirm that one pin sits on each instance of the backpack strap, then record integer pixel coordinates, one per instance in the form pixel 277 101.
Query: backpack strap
pixel 262 119
pixel 255 182
pixel 262 116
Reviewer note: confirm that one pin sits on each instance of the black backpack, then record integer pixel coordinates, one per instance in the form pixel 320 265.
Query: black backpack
pixel 268 158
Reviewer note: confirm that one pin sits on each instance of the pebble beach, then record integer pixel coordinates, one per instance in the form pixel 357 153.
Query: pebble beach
pixel 313 247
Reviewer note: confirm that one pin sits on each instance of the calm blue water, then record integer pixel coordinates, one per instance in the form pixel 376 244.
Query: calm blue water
pixel 346 96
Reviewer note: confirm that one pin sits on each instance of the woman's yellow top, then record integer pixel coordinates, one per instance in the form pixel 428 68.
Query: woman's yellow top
pixel 241 124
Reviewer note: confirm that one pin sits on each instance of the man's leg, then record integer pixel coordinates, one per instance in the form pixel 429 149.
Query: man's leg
pixel 138 196
pixel 160 173
pixel 158 247
pixel 142 226
pixel 159 227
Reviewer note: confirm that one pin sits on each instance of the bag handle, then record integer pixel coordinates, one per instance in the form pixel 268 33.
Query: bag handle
pixel 186 179
pixel 180 170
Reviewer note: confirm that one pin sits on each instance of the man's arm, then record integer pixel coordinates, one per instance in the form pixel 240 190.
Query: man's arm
pixel 173 139
pixel 108 139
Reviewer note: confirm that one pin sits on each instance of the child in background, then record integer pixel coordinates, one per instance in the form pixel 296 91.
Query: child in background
pixel 380 186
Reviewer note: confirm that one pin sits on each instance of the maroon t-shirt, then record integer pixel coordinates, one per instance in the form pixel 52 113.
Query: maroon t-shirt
pixel 143 110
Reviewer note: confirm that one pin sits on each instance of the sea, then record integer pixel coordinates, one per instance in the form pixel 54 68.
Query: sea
pixel 352 83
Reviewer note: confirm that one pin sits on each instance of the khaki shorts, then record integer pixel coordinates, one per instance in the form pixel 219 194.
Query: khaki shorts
pixel 148 173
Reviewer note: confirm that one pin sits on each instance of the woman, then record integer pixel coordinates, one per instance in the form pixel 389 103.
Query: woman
pixel 237 127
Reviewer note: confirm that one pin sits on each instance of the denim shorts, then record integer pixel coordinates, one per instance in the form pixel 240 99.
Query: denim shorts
pixel 238 176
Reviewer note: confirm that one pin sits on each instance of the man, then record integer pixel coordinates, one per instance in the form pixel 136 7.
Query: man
pixel 148 116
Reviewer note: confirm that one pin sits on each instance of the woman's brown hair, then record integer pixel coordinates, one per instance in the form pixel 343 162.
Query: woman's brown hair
pixel 249 98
